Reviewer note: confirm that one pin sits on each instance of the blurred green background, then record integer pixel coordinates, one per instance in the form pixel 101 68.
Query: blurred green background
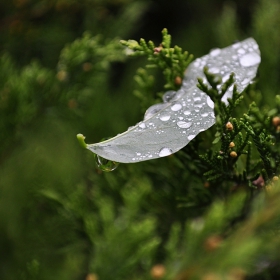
pixel 60 217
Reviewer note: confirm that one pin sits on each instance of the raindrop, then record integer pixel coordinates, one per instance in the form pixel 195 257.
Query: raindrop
pixel 236 45
pixel 204 115
pixel 142 125
pixel 187 113
pixel 210 102
pixel 215 52
pixel 245 81
pixel 169 95
pixel 241 51
pixel 105 164
pixel 153 110
pixel 214 70
pixel 165 152
pixel 138 154
pixel 176 107
pixel 249 59
pixel 183 124
pixel 164 118
pixel 190 137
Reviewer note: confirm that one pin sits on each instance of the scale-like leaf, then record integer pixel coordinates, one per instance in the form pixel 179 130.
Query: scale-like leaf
pixel 168 127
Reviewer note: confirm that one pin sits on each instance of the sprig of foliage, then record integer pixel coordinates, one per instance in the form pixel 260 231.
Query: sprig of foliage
pixel 172 61
pixel 237 137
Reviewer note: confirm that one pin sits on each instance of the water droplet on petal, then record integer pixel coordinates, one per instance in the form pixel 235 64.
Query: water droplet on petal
pixel 210 102
pixel 236 45
pixel 183 124
pixel 164 118
pixel 169 95
pixel 187 113
pixel 215 52
pixel 142 125
pixel 176 107
pixel 190 137
pixel 153 110
pixel 214 70
pixel 165 152
pixel 245 81
pixel 105 164
pixel 241 51
pixel 204 115
pixel 250 59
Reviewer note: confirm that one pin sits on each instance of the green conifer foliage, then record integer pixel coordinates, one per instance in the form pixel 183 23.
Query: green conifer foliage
pixel 210 211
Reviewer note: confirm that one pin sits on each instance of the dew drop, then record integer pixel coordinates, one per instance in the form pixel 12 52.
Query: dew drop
pixel 183 124
pixel 190 137
pixel 241 51
pixel 153 110
pixel 169 95
pixel 250 59
pixel 165 152
pixel 236 45
pixel 187 113
pixel 142 125
pixel 214 70
pixel 215 52
pixel 245 81
pixel 164 118
pixel 176 107
pixel 210 102
pixel 105 164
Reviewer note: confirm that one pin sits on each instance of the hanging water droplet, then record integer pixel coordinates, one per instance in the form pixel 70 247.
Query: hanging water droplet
pixel 183 124
pixel 165 152
pixel 164 118
pixel 169 95
pixel 105 164
pixel 176 107
pixel 153 110
pixel 210 102
pixel 250 59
